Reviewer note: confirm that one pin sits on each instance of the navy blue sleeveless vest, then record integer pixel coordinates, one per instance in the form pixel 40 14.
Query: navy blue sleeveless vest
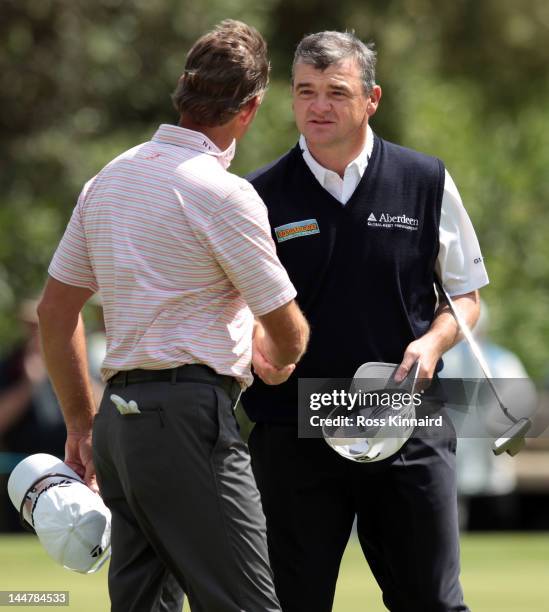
pixel 363 272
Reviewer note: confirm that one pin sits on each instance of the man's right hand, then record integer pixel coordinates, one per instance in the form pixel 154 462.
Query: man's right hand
pixel 282 336
pixel 269 373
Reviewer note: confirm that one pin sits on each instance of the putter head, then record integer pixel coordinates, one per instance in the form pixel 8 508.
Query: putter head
pixel 513 439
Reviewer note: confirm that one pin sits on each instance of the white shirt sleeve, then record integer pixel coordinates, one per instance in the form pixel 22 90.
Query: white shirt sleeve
pixel 459 264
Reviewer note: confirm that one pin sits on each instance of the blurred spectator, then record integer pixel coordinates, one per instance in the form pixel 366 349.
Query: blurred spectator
pixel 30 417
pixel 486 483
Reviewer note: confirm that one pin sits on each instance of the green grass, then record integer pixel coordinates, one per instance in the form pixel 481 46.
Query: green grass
pixel 501 573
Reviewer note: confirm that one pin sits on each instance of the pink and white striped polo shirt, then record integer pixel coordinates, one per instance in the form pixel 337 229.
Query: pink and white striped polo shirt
pixel 182 253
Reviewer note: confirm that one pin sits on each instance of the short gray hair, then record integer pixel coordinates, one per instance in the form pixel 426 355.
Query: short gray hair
pixel 323 49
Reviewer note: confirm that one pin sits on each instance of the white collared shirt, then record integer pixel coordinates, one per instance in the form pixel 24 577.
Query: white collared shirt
pixel 341 188
pixel 459 264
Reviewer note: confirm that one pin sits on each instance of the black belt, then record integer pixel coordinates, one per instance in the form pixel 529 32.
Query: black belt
pixel 194 372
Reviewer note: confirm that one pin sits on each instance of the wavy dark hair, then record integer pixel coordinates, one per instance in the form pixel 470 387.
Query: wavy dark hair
pixel 225 69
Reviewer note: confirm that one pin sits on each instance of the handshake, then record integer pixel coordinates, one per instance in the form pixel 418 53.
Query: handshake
pixel 279 341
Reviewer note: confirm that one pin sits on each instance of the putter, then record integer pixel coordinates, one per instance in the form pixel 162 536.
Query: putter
pixel 513 439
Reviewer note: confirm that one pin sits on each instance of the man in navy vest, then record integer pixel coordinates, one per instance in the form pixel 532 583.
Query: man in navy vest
pixel 362 227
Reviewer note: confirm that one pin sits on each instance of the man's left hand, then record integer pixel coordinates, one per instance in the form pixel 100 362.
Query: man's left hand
pixel 428 351
pixel 442 335
pixel 79 457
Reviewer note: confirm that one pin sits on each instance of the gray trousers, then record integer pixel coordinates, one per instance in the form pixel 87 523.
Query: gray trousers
pixel 186 512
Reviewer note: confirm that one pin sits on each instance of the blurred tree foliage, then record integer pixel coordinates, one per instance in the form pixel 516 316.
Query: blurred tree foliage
pixel 465 80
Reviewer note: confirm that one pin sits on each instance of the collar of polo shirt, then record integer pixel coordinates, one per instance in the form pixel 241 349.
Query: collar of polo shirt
pixel 183 137
pixel 355 168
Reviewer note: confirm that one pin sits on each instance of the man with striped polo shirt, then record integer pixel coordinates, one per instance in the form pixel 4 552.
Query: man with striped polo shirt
pixel 182 254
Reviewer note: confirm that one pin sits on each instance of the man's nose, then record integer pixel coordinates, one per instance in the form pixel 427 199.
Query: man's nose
pixel 321 104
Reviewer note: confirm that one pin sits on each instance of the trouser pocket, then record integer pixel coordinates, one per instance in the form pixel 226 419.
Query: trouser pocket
pixel 228 435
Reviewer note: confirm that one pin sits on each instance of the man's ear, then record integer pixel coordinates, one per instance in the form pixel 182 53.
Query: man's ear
pixel 248 111
pixel 373 100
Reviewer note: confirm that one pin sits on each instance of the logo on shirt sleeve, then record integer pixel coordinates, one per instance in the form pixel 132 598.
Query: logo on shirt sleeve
pixel 296 229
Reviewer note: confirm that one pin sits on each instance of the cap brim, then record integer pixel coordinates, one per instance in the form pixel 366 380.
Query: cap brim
pixel 31 469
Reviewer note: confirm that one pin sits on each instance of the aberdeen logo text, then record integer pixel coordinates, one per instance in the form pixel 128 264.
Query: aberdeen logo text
pixel 388 221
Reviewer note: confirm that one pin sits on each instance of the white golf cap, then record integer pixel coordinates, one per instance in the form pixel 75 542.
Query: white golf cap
pixel 377 442
pixel 71 521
